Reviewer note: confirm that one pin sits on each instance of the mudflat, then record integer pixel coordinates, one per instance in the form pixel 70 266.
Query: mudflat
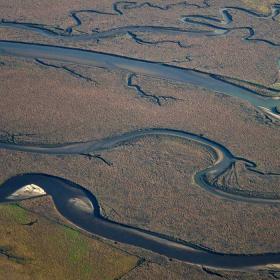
pixel 147 132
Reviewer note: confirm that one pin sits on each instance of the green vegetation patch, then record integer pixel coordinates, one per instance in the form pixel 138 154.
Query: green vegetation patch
pixel 14 213
pixel 54 251
pixel 78 250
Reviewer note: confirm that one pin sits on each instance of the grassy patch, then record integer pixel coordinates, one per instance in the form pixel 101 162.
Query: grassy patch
pixel 14 213
pixel 78 250
pixel 54 251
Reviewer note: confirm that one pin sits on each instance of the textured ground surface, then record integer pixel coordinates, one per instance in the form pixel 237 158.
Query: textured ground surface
pixel 147 183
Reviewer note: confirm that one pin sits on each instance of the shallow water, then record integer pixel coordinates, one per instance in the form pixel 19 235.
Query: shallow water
pixel 182 75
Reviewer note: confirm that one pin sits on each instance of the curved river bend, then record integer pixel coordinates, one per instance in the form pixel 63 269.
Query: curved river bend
pixel 81 207
pixel 224 158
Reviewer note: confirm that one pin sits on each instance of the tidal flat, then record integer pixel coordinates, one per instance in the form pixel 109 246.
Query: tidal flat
pixel 154 119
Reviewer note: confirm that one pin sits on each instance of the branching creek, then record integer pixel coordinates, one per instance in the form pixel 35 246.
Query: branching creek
pixel 63 192
pixel 209 81
pixel 79 205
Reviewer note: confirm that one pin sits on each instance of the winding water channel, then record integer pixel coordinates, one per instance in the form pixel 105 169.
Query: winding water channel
pixel 224 158
pixel 89 217
pixel 81 208
pixel 79 205
pixel 154 69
